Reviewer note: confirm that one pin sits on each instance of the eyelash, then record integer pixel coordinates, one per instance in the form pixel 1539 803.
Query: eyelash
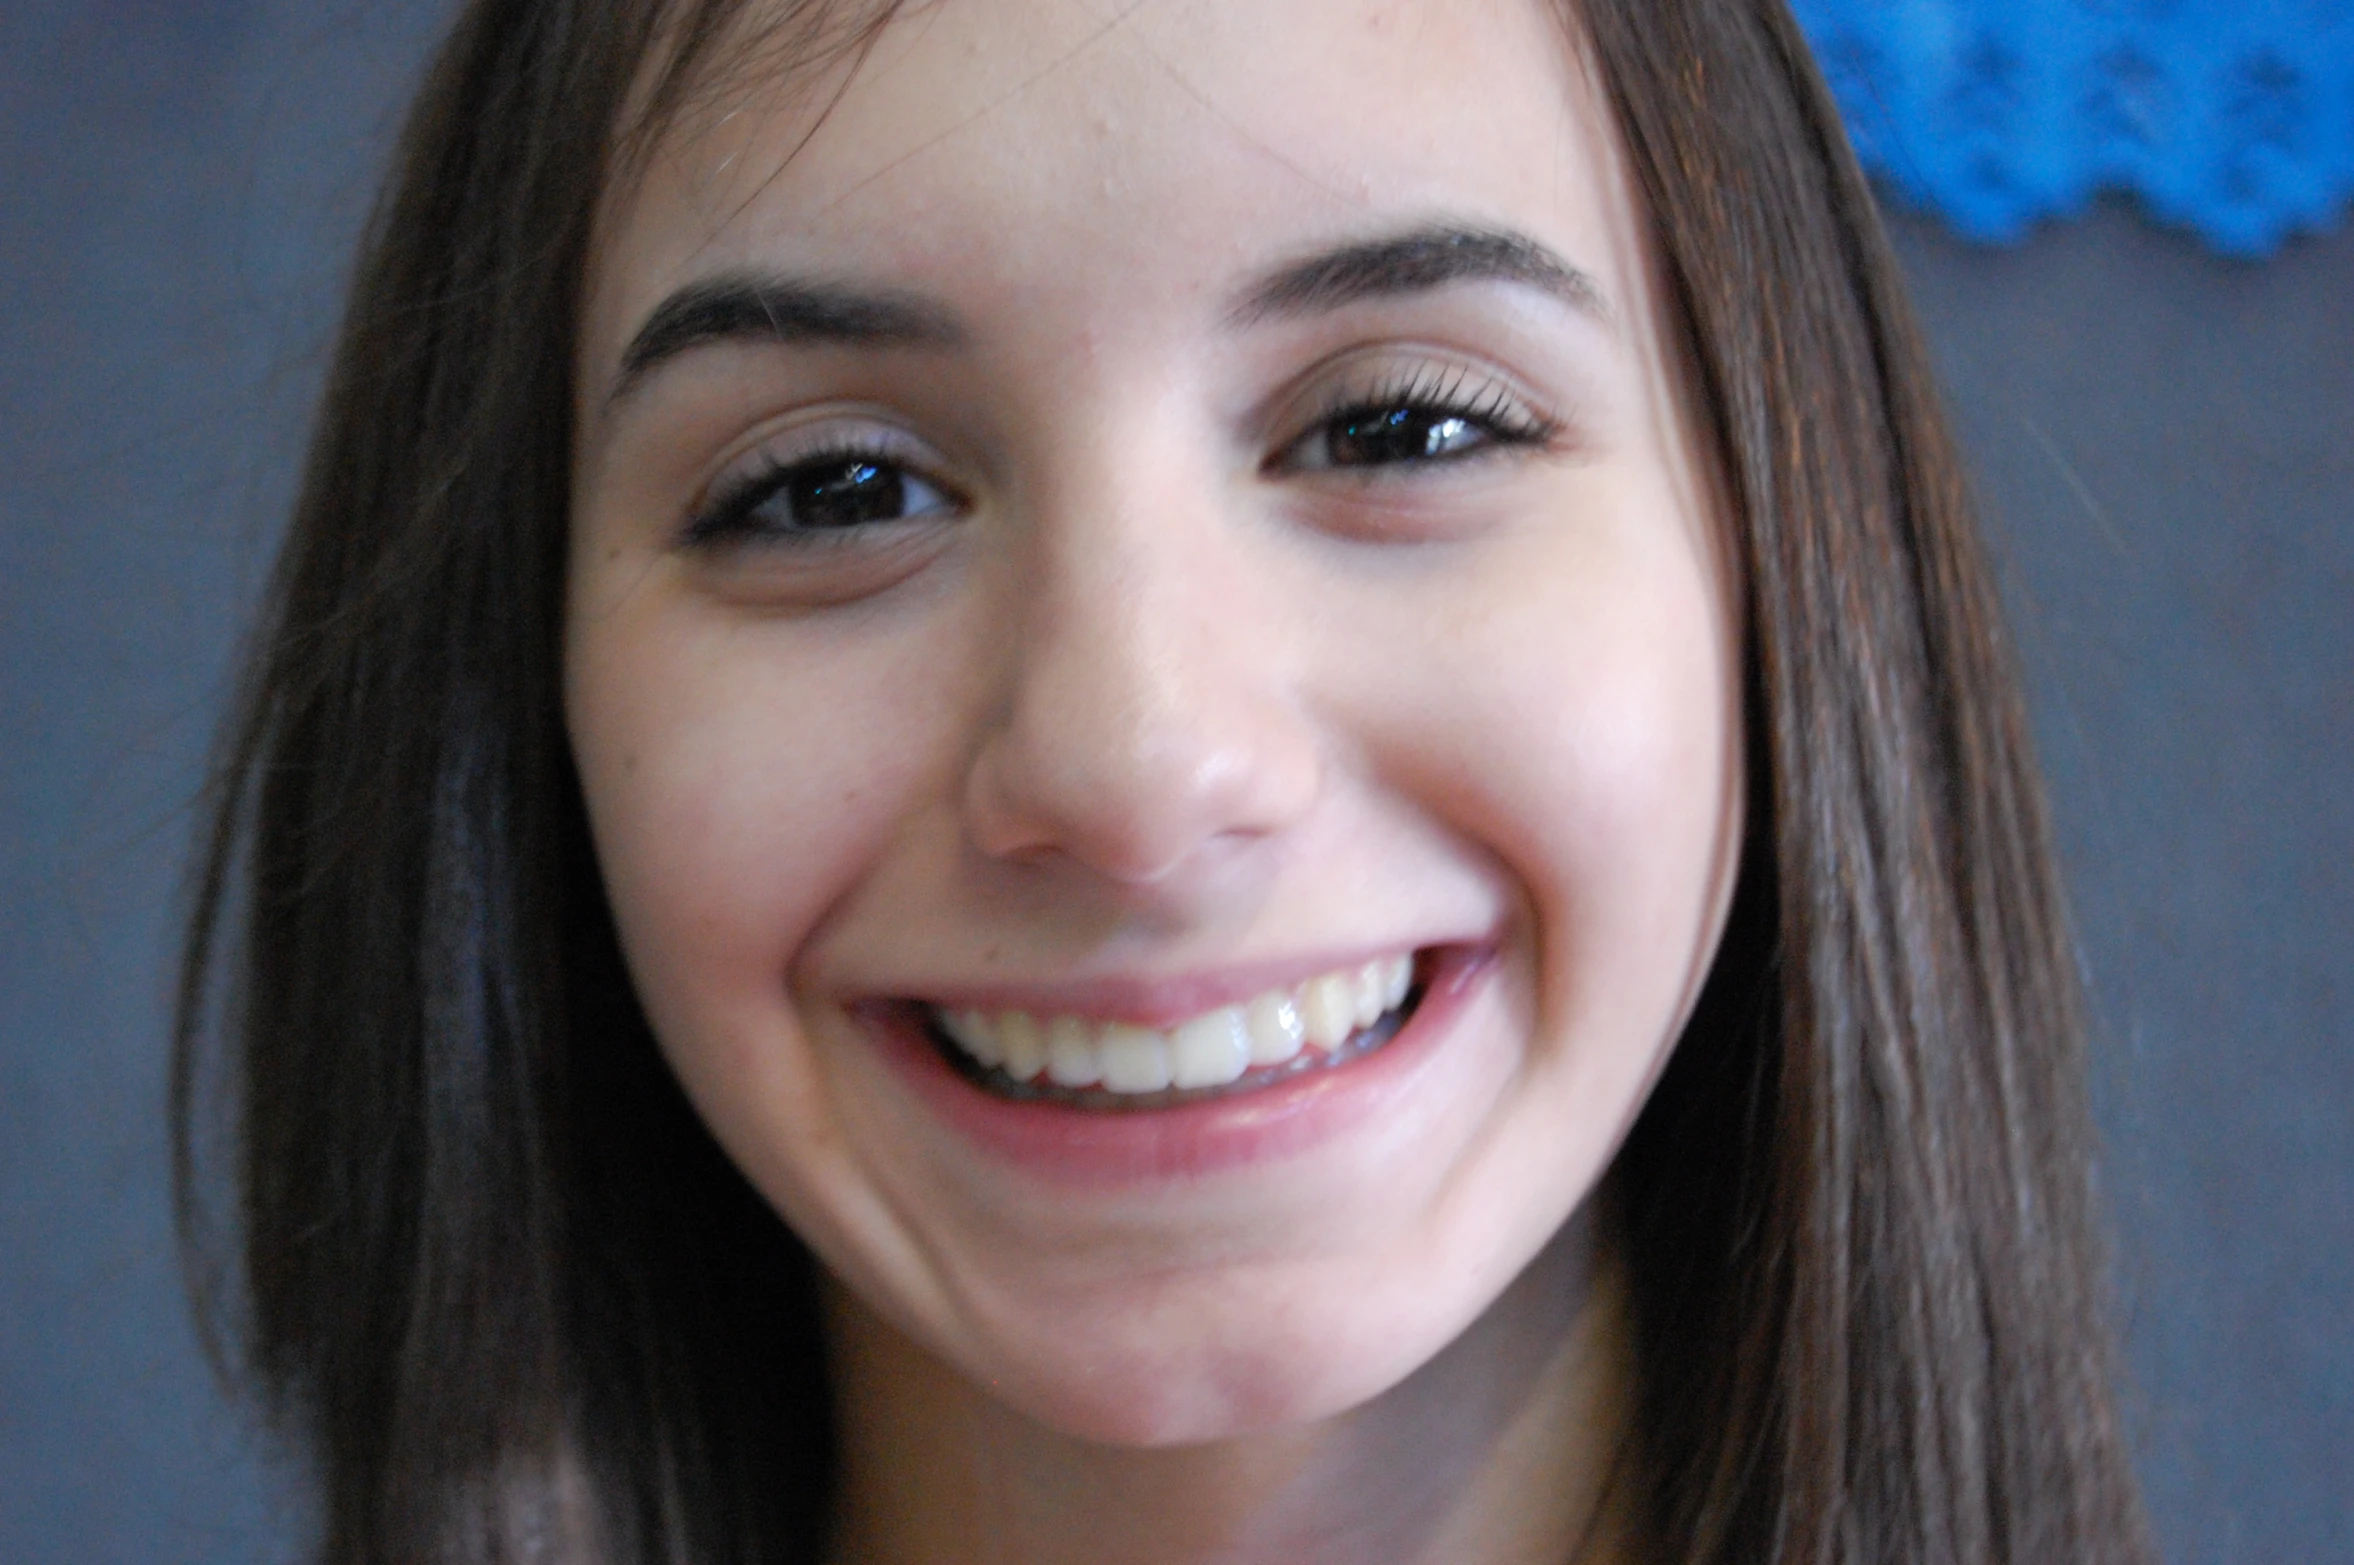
pixel 728 516
pixel 1491 413
pixel 1433 395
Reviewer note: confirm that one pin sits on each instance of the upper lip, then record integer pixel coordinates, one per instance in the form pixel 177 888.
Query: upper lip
pixel 1155 1000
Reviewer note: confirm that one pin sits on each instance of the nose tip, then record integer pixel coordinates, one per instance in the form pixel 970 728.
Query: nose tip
pixel 1137 751
pixel 1135 811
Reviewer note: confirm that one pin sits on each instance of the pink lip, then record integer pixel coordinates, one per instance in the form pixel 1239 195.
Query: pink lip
pixel 1149 1002
pixel 1097 1149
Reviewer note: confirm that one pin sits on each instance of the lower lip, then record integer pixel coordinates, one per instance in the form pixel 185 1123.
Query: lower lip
pixel 1098 1148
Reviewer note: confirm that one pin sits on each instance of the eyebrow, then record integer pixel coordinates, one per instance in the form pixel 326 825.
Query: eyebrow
pixel 771 307
pixel 1417 261
pixel 768 307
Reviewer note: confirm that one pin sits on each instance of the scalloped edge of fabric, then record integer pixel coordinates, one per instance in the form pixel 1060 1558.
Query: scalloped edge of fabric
pixel 2232 118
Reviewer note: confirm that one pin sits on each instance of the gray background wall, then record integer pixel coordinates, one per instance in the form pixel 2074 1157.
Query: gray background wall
pixel 2166 442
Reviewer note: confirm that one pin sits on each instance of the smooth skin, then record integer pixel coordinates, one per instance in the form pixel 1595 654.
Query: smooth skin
pixel 1140 661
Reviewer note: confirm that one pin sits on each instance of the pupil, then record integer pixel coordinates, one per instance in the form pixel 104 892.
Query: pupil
pixel 1395 435
pixel 847 494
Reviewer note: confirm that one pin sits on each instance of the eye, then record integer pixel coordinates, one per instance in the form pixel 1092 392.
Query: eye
pixel 1379 436
pixel 817 497
pixel 1422 419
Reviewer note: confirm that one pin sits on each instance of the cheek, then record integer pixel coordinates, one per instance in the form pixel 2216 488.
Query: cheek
pixel 1582 723
pixel 739 778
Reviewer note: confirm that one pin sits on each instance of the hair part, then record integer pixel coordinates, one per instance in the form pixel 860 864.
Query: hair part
pixel 495 1276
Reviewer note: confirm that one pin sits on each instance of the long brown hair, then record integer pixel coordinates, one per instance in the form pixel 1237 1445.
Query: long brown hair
pixel 492 1275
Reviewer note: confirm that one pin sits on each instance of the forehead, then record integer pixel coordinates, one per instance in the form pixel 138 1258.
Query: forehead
pixel 1100 158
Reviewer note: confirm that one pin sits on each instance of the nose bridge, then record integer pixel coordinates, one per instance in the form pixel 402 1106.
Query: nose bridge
pixel 1144 722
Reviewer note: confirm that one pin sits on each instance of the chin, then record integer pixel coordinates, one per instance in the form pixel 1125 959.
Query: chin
pixel 1201 1390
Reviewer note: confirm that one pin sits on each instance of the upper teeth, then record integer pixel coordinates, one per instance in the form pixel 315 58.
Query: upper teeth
pixel 1208 1050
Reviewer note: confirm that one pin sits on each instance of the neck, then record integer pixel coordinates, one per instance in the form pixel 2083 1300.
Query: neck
pixel 1497 1452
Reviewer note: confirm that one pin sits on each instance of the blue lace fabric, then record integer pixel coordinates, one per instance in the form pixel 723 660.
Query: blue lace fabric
pixel 2234 118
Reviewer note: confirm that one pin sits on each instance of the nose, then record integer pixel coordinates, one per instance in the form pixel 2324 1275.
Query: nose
pixel 1145 728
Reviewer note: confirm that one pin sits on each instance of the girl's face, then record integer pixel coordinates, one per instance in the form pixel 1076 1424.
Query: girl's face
pixel 1134 526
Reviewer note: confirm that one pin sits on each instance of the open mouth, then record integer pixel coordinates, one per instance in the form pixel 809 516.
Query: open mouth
pixel 1317 1024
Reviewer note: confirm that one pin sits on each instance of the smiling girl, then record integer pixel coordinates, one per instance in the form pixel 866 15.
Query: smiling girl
pixel 1210 781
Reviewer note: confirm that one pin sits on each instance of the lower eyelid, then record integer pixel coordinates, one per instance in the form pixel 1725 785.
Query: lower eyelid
pixel 818 575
